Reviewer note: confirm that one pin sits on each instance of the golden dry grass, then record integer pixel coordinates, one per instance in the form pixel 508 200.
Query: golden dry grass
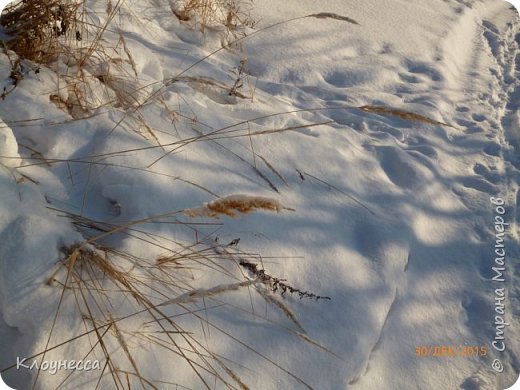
pixel 233 204
pixel 110 287
pixel 41 29
pixel 232 14
pixel 405 115
pixel 62 34
pixel 101 279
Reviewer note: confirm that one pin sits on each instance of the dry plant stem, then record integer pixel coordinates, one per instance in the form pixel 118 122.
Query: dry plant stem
pixel 223 130
pixel 229 130
pixel 188 140
pixel 276 284
pixel 183 299
pixel 37 26
pixel 71 260
pixel 288 313
pixel 299 380
pixel 300 333
pixel 232 204
pixel 100 33
pixel 405 115
pixel 125 280
pixel 339 190
pixel 248 134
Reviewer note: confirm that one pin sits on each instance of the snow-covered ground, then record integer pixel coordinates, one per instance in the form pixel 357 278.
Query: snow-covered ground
pixel 377 144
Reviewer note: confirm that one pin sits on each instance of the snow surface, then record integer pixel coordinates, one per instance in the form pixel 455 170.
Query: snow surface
pixel 8 146
pixel 389 217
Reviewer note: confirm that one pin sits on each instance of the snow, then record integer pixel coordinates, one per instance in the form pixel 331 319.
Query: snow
pixel 362 162
pixel 8 145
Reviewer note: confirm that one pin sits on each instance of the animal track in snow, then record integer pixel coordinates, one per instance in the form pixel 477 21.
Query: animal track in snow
pixel 468 126
pixel 384 128
pixel 344 79
pixel 485 172
pixel 478 312
pixel 478 117
pixel 421 68
pixel 426 150
pixel 492 149
pixel 479 184
pixel 396 167
pixel 462 109
pixel 407 78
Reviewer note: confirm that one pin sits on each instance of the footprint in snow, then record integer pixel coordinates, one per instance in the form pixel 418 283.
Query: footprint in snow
pixel 468 127
pixel 380 130
pixel 485 172
pixel 478 117
pixel 462 109
pixel 345 79
pixel 484 266
pixel 493 149
pixel 479 184
pixel 370 239
pixel 398 167
pixel 425 150
pixel 407 78
pixel 478 311
pixel 424 69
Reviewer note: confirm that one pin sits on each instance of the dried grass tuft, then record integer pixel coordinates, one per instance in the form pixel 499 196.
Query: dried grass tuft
pixel 405 115
pixel 68 38
pixel 40 28
pixel 330 15
pixel 232 14
pixel 232 204
pixel 110 287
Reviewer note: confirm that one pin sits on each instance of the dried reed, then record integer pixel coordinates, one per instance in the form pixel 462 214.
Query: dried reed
pixel 232 204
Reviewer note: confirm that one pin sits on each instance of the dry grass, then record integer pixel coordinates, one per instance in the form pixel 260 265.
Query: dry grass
pixel 63 36
pixel 126 301
pixel 330 15
pixel 405 115
pixel 232 14
pixel 102 280
pixel 241 73
pixel 41 29
pixel 232 204
pixel 110 286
